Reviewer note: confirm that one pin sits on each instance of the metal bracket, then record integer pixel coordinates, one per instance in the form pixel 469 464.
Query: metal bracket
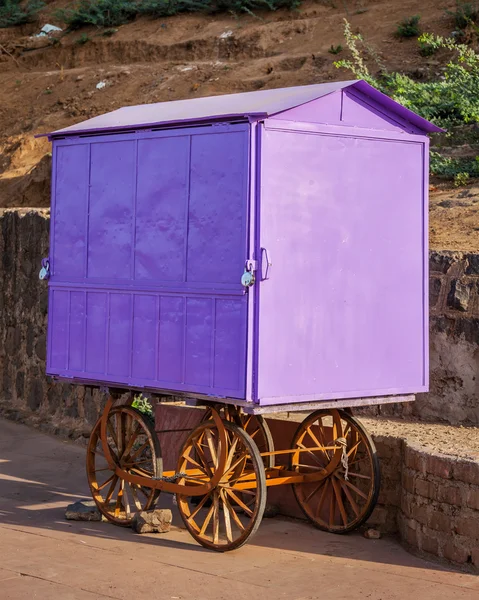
pixel 251 265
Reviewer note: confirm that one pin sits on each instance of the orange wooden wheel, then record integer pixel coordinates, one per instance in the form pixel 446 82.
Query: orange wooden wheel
pixel 346 497
pixel 225 518
pixel 135 447
pixel 254 425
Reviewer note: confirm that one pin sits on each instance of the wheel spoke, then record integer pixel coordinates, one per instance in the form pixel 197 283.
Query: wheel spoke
pixel 207 520
pixel 349 496
pixel 104 484
pixel 211 446
pixel 322 498
pixel 331 509
pixel 231 455
pixel 337 493
pixel 131 441
pixel 239 501
pixel 353 448
pixel 355 489
pixel 134 493
pixel 200 506
pixel 216 518
pixel 232 512
pixel 112 434
pixel 303 447
pixel 226 517
pixel 111 489
pixel 315 490
pixel 206 468
pixel 140 450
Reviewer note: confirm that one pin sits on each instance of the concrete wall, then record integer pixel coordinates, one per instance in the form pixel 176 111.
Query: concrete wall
pixel 25 392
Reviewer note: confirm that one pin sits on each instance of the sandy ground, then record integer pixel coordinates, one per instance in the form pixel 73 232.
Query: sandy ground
pixel 44 557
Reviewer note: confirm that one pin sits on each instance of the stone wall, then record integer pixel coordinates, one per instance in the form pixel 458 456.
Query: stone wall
pixel 26 393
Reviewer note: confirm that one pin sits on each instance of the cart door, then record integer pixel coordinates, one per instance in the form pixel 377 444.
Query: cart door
pixel 343 311
pixel 147 251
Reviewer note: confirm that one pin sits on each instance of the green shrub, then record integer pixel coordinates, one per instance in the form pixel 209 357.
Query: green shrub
pixel 12 13
pixel 461 179
pixel 465 13
pixel 428 44
pixel 143 405
pixel 458 169
pixel 111 13
pixel 335 49
pixel 101 13
pixel 452 100
pixel 83 39
pixel 408 27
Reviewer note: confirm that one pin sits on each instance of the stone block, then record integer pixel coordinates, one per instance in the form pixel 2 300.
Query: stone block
pixel 152 521
pixel 435 285
pixel 440 521
pixel 420 513
pixel 472 267
pixel 427 489
pixel 450 494
pixel 460 294
pixel 472 498
pixel 439 465
pixel 440 262
pixel 467 525
pixel 83 510
pixel 455 552
pixel 428 541
pixel 466 471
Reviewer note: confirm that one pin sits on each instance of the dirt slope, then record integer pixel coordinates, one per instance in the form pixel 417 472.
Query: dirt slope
pixel 45 85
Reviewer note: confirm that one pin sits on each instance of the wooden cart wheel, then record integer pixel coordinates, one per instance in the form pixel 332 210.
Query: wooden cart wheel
pixel 135 447
pixel 254 425
pixel 223 520
pixel 346 497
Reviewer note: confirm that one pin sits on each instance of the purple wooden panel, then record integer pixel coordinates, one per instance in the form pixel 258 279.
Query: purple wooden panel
pixel 145 326
pixel 77 331
pixel 59 316
pixel 119 334
pixel 342 312
pixel 217 209
pixel 324 110
pixel 112 195
pixel 229 331
pixel 198 341
pixel 161 208
pixel 70 211
pixel 96 329
pixel 357 113
pixel 171 339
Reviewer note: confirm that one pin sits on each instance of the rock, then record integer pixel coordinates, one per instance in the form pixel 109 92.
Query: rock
pixel 372 534
pixel 83 510
pixel 152 521
pixel 270 511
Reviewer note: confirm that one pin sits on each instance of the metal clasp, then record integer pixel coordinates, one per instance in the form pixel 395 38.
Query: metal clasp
pixel 248 277
pixel 45 270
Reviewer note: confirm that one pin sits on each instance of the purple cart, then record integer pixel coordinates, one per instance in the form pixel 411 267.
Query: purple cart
pixel 256 252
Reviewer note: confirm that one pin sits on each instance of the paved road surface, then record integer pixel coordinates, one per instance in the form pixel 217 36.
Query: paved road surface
pixel 44 557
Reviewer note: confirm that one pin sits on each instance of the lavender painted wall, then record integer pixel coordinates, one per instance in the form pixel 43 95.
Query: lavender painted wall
pixel 343 312
pixel 148 245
